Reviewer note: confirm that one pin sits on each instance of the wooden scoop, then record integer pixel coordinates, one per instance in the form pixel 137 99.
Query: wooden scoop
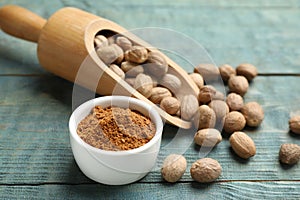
pixel 66 41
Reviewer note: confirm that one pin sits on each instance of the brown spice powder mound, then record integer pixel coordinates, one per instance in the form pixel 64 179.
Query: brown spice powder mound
pixel 115 129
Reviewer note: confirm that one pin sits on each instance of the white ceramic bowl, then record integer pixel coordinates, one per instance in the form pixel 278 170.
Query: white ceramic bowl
pixel 115 167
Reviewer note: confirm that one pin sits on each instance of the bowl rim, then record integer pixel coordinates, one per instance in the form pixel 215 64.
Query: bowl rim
pixel 156 119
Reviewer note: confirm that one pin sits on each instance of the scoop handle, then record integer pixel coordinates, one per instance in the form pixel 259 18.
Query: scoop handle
pixel 21 23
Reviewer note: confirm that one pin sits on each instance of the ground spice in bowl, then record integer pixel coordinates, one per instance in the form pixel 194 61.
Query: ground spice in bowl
pixel 116 129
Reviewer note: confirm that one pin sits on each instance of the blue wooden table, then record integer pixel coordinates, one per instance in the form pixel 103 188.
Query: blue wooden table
pixel 36 161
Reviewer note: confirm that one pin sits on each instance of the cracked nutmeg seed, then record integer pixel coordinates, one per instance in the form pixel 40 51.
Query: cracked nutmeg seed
pixel 137 54
pixel 289 154
pixel 205 170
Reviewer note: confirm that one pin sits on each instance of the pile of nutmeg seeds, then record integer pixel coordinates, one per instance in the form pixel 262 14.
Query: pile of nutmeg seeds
pixel 232 114
pixel 216 114
pixel 211 112
pixel 146 71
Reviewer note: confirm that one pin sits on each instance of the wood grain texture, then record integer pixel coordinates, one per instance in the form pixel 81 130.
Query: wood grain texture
pixel 226 190
pixel 263 33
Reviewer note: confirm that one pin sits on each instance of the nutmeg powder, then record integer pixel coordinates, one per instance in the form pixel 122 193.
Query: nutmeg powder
pixel 115 129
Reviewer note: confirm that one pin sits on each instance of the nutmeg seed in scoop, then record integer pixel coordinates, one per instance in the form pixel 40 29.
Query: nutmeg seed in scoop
pixel 170 104
pixel 137 54
pixel 156 64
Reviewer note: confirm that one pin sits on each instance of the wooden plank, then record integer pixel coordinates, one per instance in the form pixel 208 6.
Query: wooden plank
pixel 265 34
pixel 224 190
pixel 188 3
pixel 35 148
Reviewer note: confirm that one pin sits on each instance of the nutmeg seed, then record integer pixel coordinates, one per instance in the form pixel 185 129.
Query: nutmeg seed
pixel 208 137
pixel 205 170
pixel 204 117
pixel 110 54
pixel 206 93
pixel 156 64
pixel 226 71
pixel 242 145
pixel 137 54
pixel 124 43
pixel 289 154
pixel 143 84
pixel 134 71
pixel 170 104
pixel 294 124
pixel 247 70
pixel 238 84
pixel 173 167
pixel 189 106
pixel 208 71
pixel 100 41
pixel 235 102
pixel 253 114
pixel 220 108
pixel 171 82
pixel 234 121
pixel 158 93
pixel 198 79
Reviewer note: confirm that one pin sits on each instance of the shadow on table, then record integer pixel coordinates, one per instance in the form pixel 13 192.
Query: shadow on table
pixel 294 135
pixel 62 90
pixel 20 59
pixel 234 156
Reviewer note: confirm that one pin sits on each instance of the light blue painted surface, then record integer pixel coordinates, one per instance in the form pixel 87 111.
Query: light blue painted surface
pixel 35 156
